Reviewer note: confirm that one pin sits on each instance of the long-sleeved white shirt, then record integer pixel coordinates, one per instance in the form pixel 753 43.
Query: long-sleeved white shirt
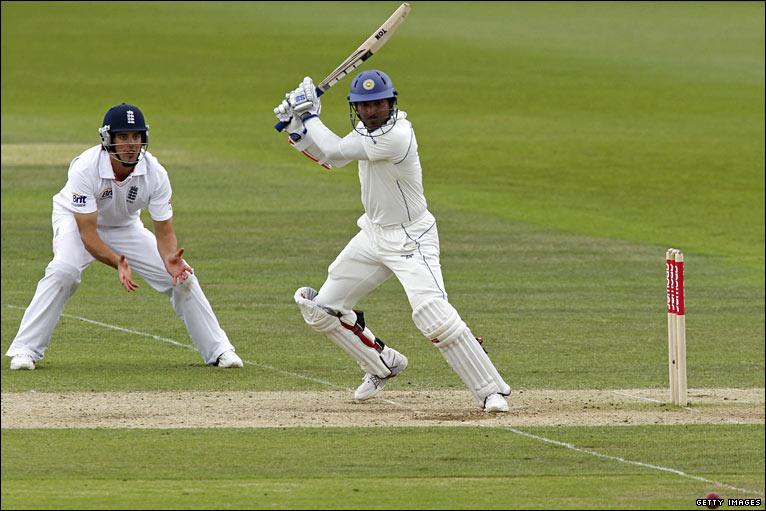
pixel 389 168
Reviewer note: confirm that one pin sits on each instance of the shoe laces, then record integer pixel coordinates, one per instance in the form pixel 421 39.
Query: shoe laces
pixel 375 380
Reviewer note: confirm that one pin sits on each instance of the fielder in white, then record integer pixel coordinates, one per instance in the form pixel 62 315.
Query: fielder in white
pixel 398 236
pixel 96 216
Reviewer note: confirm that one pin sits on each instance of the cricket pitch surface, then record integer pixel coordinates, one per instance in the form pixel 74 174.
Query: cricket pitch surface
pixel 282 409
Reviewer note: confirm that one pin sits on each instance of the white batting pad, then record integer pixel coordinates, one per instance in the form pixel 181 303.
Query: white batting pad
pixel 349 340
pixel 440 322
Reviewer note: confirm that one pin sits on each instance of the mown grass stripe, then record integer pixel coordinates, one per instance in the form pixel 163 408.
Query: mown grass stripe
pixel 629 462
pixel 186 346
pixel 507 428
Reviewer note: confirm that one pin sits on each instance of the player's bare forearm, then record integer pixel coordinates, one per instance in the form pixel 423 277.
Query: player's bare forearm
pixel 87 225
pixel 167 243
pixel 172 256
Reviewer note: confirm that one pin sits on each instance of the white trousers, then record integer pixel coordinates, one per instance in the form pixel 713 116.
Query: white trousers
pixel 138 244
pixel 411 252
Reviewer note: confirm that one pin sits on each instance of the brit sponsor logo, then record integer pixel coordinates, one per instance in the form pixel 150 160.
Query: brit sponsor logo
pixel 79 201
pixel 106 194
pixel 132 194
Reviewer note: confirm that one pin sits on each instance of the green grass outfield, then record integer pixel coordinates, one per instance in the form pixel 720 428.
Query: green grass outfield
pixel 397 468
pixel 565 147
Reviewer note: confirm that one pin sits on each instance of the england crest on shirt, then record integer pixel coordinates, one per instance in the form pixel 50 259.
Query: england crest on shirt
pixel 132 194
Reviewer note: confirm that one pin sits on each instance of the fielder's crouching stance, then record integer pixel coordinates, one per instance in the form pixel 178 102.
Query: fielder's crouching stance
pixel 97 216
pixel 398 236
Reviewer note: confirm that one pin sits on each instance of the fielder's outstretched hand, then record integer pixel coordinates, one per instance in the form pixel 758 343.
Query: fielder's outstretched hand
pixel 126 274
pixel 177 267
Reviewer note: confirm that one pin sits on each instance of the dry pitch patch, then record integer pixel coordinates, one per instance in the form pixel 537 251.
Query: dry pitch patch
pixel 391 408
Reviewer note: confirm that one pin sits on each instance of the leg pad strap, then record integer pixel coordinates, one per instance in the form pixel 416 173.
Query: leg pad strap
pixel 344 329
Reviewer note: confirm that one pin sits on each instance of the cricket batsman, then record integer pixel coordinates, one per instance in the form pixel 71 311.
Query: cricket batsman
pixel 397 236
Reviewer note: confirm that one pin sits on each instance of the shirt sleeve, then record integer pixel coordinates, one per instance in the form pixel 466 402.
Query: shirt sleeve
pixel 82 188
pixel 160 207
pixel 304 144
pixel 331 145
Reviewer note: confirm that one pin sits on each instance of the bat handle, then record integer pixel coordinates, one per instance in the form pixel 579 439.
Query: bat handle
pixel 282 125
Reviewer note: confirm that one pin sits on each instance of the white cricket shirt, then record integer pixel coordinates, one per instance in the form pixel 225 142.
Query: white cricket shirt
pixel 91 187
pixel 389 168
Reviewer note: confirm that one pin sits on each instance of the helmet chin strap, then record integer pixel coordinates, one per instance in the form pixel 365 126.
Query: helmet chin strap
pixel 126 164
pixel 392 114
pixel 141 153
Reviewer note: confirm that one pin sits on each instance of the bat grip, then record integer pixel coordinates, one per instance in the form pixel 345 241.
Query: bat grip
pixel 282 125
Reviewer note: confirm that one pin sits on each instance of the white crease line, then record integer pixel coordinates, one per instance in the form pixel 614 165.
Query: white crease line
pixel 190 347
pixel 288 373
pixel 508 428
pixel 637 397
pixel 629 462
pixel 687 408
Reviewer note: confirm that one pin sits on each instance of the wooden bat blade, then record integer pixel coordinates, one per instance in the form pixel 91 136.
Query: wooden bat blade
pixel 373 43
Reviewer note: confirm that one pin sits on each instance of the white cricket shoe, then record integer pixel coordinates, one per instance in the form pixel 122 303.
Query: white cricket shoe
pixel 373 384
pixel 229 359
pixel 495 403
pixel 22 362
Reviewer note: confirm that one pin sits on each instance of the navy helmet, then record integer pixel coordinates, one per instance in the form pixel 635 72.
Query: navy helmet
pixel 119 119
pixel 372 85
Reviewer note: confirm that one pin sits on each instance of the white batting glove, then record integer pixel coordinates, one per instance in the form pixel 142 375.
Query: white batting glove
pixel 304 99
pixel 285 114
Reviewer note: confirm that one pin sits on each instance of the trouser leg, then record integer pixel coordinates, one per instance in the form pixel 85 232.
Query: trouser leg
pixel 354 273
pixel 61 280
pixel 44 311
pixel 421 278
pixel 192 306
pixel 189 301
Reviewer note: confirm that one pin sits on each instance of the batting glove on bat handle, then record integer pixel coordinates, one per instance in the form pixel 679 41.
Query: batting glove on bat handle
pixel 280 126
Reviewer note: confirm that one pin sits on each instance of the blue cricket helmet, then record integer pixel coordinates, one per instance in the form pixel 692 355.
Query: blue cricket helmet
pixel 370 86
pixel 122 118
